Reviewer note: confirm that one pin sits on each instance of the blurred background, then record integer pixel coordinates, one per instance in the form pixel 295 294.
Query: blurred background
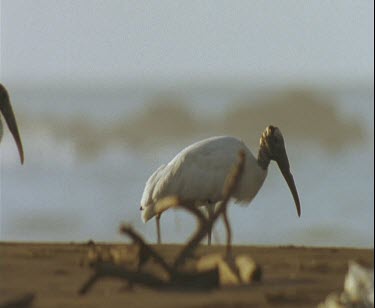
pixel 106 91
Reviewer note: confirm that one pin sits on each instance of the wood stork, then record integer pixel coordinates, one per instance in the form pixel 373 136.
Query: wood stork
pixel 197 174
pixel 7 112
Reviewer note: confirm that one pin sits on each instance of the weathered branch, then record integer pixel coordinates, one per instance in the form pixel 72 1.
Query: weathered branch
pixel 116 271
pixel 231 183
pixel 147 249
pixel 177 279
pixel 205 225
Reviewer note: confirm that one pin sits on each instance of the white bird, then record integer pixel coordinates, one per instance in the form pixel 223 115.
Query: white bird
pixel 7 112
pixel 197 174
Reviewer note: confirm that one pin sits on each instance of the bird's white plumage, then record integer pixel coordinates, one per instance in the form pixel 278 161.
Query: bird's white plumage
pixel 197 174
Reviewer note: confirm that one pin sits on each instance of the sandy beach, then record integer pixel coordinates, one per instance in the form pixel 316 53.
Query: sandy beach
pixel 292 277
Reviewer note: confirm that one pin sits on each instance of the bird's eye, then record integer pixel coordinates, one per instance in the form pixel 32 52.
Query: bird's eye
pixel 140 208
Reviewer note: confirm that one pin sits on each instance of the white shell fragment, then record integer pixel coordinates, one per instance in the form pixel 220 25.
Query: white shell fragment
pixel 359 284
pixel 358 289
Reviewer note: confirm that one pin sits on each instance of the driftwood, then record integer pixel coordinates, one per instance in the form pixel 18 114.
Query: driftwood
pixel 206 224
pixel 177 278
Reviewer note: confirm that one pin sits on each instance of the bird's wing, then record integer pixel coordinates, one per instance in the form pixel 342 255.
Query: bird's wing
pixel 197 175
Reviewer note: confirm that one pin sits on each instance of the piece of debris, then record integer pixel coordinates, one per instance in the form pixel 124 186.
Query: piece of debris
pixel 120 264
pixel 359 283
pixel 239 270
pixel 358 289
pixel 121 255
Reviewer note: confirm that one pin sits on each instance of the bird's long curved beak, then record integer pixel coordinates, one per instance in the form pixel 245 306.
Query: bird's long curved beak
pixel 283 164
pixel 7 111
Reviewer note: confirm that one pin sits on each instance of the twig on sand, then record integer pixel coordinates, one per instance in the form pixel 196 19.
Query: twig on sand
pixel 146 250
pixel 202 280
pixel 112 270
pixel 178 279
pixel 206 224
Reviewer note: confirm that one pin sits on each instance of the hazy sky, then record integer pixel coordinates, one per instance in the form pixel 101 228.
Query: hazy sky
pixel 321 41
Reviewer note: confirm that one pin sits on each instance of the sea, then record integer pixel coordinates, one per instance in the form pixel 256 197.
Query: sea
pixel 89 150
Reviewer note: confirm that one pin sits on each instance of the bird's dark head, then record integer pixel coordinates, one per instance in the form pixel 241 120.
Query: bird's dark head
pixel 272 142
pixel 272 146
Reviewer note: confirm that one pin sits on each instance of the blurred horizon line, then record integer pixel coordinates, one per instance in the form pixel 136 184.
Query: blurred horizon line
pixel 203 85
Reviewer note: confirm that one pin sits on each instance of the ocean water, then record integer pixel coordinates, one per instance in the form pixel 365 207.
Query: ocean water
pixel 90 150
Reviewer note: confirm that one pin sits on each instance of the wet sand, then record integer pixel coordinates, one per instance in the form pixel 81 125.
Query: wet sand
pixel 292 277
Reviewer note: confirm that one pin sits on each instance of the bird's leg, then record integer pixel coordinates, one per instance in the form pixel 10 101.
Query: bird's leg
pixel 229 233
pixel 210 213
pixel 158 228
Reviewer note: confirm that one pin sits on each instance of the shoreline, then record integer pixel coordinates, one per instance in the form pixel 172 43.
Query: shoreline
pixel 293 276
